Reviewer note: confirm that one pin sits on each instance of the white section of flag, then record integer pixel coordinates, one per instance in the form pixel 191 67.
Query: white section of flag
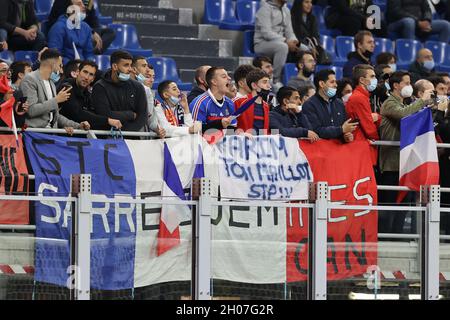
pixel 423 150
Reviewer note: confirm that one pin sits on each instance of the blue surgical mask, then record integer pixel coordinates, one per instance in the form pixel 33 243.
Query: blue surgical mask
pixel 388 87
pixel 55 76
pixel 393 67
pixel 141 78
pixel 123 76
pixel 331 92
pixel 373 84
pixel 429 65
pixel 174 100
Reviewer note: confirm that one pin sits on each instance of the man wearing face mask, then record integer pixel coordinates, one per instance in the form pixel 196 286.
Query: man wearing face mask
pixel 423 67
pixel 19 26
pixel 256 117
pixel 365 45
pixel 306 65
pixel 326 113
pixel 358 106
pixel 72 36
pixel 287 119
pixel 392 111
pixel 39 88
pixel 119 97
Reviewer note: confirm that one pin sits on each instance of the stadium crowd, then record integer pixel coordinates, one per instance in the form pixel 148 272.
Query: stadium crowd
pixel 64 88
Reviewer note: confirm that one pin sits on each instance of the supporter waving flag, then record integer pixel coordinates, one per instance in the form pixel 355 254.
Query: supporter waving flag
pixel 418 154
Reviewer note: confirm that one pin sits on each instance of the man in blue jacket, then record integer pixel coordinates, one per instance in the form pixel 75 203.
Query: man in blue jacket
pixel 72 36
pixel 364 45
pixel 325 112
pixel 287 118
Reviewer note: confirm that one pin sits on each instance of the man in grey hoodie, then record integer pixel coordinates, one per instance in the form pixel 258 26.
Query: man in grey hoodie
pixel 274 36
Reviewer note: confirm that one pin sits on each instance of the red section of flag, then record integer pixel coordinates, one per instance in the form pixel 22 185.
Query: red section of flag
pixel 13 180
pixel 4 85
pixel 167 240
pixel 352 234
pixel 6 111
pixel 425 174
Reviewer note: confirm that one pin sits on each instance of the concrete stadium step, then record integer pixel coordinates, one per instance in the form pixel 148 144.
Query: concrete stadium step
pixel 168 30
pixel 130 13
pixel 150 3
pixel 193 62
pixel 187 47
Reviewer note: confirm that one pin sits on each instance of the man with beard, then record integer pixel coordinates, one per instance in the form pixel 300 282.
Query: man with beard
pixel 306 65
pixel 365 45
pixel 79 106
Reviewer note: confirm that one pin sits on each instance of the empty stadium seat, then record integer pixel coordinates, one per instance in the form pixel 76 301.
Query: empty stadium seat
pixel 103 61
pixel 290 70
pixel 166 69
pixel 103 20
pixel 438 49
pixel 318 13
pixel 127 39
pixel 445 66
pixel 43 8
pixel 327 43
pixel 246 12
pixel 406 51
pixel 7 56
pixel 382 45
pixel 344 45
pixel 338 70
pixel 248 44
pixel 30 56
pixel 323 28
pixel 221 13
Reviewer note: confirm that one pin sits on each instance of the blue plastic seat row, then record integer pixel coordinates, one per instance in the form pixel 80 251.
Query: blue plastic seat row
pixel 239 15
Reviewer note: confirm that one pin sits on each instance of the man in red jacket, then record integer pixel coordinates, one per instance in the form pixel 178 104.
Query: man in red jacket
pixel 358 106
pixel 255 119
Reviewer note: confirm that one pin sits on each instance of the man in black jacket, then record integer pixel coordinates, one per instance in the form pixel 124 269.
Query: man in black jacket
pixel 410 16
pixel 326 113
pixel 19 26
pixel 201 87
pixel 364 45
pixel 79 106
pixel 102 37
pixel 118 96
pixel 287 118
pixel 423 67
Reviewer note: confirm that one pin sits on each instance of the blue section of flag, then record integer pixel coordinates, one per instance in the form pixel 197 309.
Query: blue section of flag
pixel 199 171
pixel 170 174
pixel 415 125
pixel 53 160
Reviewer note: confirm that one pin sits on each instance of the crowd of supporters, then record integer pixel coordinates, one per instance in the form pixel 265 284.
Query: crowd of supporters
pixel 65 89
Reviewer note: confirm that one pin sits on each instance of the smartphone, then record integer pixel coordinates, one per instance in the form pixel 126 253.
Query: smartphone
pixel 20 102
pixel 67 86
pixel 356 120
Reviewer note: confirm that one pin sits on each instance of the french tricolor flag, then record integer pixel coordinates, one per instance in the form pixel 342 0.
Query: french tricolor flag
pixel 419 163
pixel 172 215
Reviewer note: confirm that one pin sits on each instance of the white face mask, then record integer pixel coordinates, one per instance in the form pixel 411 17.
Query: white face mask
pixel 346 97
pixel 407 91
pixel 299 108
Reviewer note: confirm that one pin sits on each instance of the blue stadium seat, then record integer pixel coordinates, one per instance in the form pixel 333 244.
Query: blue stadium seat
pixel 406 51
pixel 438 49
pixel 103 61
pixel 166 69
pixel 43 8
pixel 221 13
pixel 381 3
pixel 290 70
pixel 248 44
pixel 338 70
pixel 318 13
pixel 246 12
pixel 30 56
pixel 324 30
pixel 103 20
pixel 127 39
pixel 445 66
pixel 344 45
pixel 382 45
pixel 7 56
pixel 327 43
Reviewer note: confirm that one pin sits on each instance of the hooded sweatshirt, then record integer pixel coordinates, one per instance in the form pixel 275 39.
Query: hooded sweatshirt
pixel 121 101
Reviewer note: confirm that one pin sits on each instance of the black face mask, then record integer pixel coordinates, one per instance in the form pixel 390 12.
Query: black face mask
pixel 367 54
pixel 264 94
pixel 307 73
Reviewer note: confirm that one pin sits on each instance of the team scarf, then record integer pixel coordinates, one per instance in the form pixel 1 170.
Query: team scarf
pixel 174 117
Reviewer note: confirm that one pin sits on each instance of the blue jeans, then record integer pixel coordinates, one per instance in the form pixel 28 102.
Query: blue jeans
pixel 406 27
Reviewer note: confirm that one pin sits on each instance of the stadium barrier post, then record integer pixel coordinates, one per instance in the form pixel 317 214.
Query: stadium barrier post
pixel 317 271
pixel 430 197
pixel 81 236
pixel 201 244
